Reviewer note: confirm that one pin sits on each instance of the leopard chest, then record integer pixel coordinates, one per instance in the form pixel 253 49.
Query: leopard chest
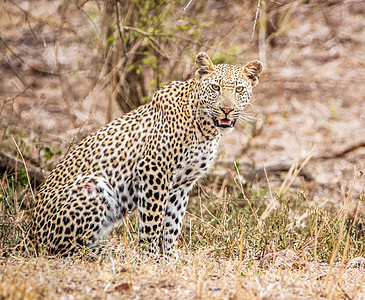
pixel 195 162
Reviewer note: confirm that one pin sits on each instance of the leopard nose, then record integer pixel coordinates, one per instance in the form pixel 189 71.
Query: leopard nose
pixel 226 110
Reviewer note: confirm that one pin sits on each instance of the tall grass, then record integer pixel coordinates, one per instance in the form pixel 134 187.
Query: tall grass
pixel 14 202
pixel 323 234
pixel 231 223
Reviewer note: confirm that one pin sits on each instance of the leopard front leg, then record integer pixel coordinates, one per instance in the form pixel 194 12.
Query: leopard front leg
pixel 174 214
pixel 151 205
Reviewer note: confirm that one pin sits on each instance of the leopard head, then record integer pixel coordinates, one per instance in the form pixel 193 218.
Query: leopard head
pixel 225 90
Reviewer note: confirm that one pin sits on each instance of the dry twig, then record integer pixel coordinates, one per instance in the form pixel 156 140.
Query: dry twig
pixel 9 163
pixel 339 154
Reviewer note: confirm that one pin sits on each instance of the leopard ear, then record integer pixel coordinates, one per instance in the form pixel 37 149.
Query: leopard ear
pixel 205 65
pixel 253 70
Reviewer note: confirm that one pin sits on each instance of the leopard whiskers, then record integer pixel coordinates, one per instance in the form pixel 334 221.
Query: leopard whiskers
pixel 254 107
pixel 246 118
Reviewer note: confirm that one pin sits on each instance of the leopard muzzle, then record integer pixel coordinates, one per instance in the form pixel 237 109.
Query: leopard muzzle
pixel 225 121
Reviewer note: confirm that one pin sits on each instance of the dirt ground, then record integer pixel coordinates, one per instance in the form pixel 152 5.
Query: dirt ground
pixel 310 94
pixel 194 277
pixel 310 101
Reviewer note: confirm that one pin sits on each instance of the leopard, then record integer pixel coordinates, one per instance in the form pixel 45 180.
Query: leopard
pixel 147 160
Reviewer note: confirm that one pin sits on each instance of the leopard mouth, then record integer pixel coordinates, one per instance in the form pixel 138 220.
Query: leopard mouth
pixel 224 123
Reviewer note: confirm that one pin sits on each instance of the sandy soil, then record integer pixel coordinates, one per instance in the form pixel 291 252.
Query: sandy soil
pixel 310 96
pixel 195 276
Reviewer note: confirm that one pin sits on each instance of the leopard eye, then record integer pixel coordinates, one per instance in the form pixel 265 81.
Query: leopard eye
pixel 239 89
pixel 215 87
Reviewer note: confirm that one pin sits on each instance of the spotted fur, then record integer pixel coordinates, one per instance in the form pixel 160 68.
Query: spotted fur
pixel 148 159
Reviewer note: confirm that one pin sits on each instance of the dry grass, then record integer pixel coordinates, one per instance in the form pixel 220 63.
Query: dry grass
pixel 195 275
pixel 289 252
pixel 256 227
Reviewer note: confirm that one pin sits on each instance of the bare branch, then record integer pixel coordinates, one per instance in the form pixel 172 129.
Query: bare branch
pixel 187 5
pixel 26 19
pixel 256 17
pixel 339 154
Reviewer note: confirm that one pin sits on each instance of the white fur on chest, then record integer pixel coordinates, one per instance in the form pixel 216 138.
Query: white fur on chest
pixel 199 159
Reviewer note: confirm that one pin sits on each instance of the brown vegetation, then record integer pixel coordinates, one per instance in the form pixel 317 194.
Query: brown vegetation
pixel 281 215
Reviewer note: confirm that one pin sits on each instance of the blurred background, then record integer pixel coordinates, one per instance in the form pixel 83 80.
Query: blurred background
pixel 69 67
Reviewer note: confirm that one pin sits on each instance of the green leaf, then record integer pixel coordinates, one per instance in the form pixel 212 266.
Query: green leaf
pixel 48 153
